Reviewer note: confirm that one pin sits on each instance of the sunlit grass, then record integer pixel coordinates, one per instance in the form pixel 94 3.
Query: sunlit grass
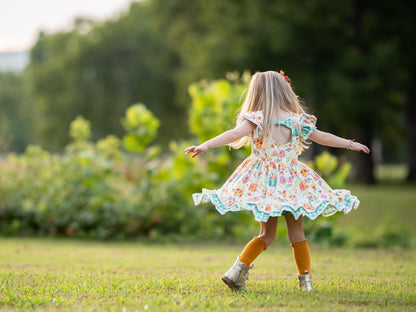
pixel 384 208
pixel 391 172
pixel 56 275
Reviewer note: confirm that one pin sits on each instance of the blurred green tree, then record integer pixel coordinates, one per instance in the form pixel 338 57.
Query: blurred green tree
pixel 15 113
pixel 97 70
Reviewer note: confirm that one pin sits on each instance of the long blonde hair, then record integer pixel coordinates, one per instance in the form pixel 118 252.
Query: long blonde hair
pixel 267 91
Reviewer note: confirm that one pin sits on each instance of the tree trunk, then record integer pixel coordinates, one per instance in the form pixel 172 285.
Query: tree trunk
pixel 411 128
pixel 364 163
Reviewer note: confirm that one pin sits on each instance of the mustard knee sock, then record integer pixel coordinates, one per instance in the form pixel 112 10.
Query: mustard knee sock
pixel 302 256
pixel 252 250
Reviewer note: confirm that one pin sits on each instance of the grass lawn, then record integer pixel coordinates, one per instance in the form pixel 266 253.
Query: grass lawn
pixel 63 275
pixel 384 208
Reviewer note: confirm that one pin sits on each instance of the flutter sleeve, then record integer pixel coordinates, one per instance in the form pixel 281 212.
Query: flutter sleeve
pixel 256 118
pixel 307 125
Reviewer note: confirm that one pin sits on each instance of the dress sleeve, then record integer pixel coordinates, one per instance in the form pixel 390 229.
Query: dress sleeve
pixel 307 125
pixel 256 118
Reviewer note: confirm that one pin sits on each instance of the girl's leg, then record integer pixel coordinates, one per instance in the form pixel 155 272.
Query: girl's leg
pixel 299 244
pixel 237 275
pixel 268 230
pixel 259 243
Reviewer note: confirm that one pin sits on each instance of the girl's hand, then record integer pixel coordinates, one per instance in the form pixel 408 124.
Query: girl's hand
pixel 329 139
pixel 358 147
pixel 196 150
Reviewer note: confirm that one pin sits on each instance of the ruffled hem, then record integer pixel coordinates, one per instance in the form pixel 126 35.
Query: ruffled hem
pixel 344 202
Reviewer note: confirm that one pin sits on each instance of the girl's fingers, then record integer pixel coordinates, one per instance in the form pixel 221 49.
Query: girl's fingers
pixel 189 150
pixel 196 153
pixel 193 149
pixel 363 148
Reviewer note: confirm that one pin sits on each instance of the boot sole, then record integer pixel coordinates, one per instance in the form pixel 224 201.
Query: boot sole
pixel 228 282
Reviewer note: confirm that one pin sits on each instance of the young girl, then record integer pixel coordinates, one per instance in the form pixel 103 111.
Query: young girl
pixel 272 182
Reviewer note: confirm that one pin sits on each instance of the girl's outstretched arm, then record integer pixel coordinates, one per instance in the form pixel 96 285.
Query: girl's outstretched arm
pixel 227 137
pixel 328 139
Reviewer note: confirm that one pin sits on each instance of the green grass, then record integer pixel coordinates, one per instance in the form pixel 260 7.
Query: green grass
pixel 59 275
pixel 384 208
pixel 391 172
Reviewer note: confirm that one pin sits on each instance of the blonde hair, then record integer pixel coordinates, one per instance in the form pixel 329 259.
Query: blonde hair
pixel 267 92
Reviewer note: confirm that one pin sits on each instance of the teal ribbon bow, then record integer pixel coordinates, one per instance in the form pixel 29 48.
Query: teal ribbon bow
pixel 287 122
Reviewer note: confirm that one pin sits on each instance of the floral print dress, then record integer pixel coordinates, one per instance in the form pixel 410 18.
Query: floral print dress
pixel 272 181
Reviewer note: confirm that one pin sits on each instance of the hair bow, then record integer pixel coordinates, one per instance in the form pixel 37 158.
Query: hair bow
pixel 283 74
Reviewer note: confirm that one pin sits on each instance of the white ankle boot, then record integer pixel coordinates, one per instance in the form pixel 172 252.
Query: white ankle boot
pixel 237 275
pixel 305 281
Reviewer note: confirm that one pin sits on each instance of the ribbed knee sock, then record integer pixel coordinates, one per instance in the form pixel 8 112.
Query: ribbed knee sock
pixel 252 250
pixel 302 256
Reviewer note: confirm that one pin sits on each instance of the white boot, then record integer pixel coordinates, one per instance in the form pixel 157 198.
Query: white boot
pixel 237 275
pixel 305 281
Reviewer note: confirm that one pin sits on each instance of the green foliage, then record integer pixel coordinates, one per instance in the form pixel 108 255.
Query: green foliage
pixel 326 163
pixel 328 168
pixel 48 194
pixel 97 70
pixel 16 113
pixel 80 129
pixel 141 127
pixel 215 103
pixel 109 147
pixel 73 194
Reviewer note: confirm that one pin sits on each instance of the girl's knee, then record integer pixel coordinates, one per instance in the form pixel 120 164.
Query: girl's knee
pixel 267 238
pixel 296 236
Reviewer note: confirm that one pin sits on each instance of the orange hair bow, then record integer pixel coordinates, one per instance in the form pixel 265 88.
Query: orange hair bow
pixel 283 74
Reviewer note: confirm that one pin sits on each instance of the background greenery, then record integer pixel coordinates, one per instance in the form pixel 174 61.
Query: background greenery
pixel 352 62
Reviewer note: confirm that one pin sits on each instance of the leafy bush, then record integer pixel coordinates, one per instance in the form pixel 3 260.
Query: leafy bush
pixel 329 169
pixel 47 194
pixel 73 194
pixel 141 127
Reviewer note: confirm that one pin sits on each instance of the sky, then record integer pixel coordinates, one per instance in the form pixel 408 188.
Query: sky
pixel 21 20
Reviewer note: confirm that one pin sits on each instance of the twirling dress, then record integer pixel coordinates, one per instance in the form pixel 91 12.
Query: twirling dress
pixel 272 181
